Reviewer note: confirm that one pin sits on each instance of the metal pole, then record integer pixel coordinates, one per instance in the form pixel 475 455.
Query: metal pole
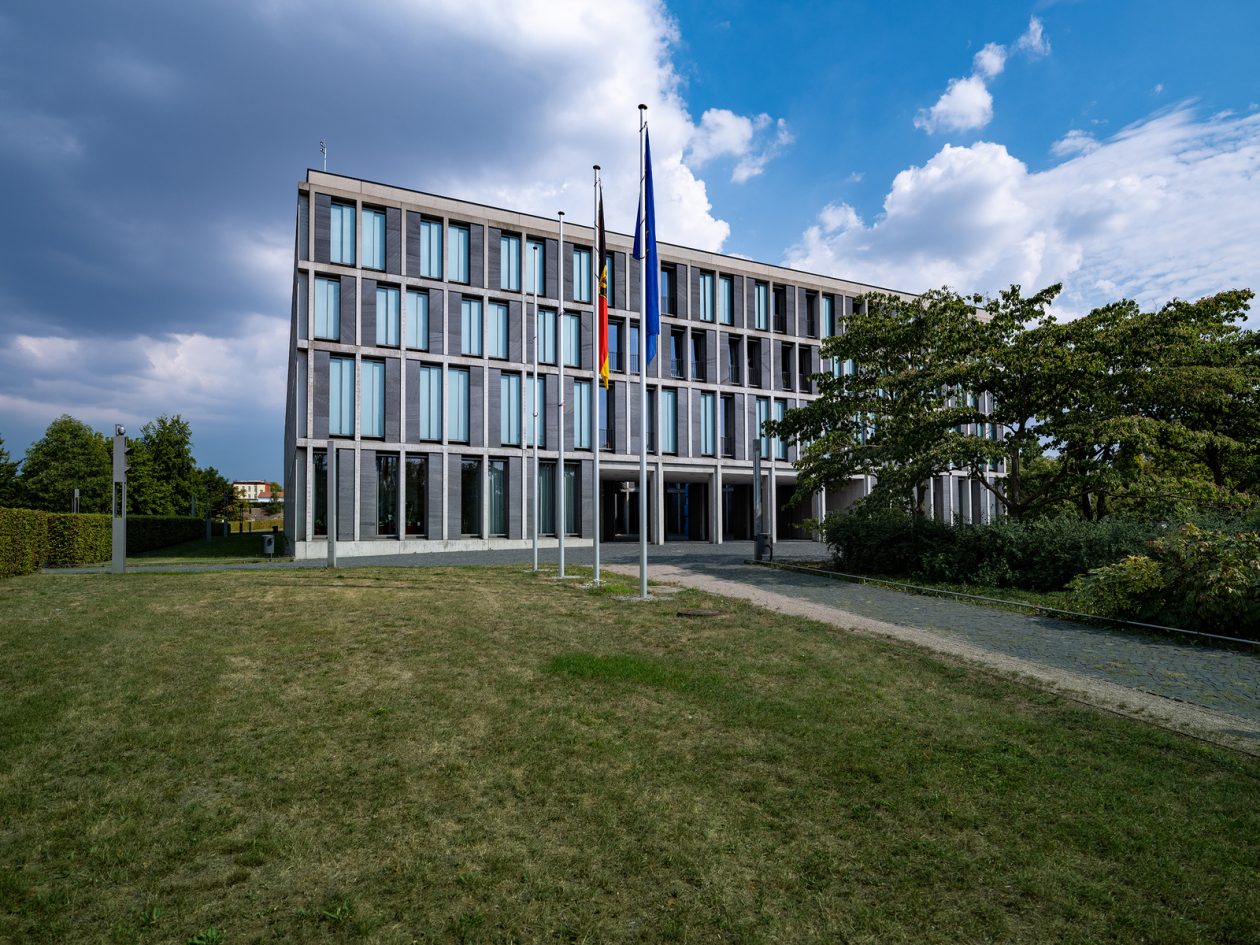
pixel 643 426
pixel 757 548
pixel 331 490
pixel 118 503
pixel 596 445
pixel 561 478
pixel 533 399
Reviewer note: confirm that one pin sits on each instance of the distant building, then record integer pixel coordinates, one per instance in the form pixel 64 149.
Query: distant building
pixel 256 491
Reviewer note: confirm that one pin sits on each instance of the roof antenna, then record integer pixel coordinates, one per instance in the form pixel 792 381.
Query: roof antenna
pixel 323 149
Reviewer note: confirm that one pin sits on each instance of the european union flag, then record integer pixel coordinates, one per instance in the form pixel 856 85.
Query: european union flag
pixel 652 308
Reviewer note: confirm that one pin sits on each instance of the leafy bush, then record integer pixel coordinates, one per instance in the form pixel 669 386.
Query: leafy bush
pixel 147 532
pixel 1194 578
pixel 1038 555
pixel 75 540
pixel 23 540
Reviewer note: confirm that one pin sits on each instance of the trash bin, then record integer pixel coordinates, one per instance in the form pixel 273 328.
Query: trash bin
pixel 763 548
pixel 269 545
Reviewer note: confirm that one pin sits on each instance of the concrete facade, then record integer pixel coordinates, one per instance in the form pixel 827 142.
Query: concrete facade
pixel 440 491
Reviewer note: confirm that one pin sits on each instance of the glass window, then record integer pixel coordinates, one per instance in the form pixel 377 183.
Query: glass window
pixel 498 496
pixel 606 284
pixel 651 419
pixel 811 314
pixel 431 248
pixel 763 414
pixel 459 253
pixel 707 299
pixel 373 238
pixel 547 498
pixel 754 362
pixel 510 262
pixel 430 402
pixel 667 290
pixel 733 361
pixel 728 424
pixel 497 330
pixel 547 335
pixel 678 352
pixel 416 496
pixel 786 359
pixel 708 424
pixel 470 327
pixel 805 369
pixel 510 409
pixel 632 349
pixel 387 315
pixel 387 494
pixel 780 444
pixel 581 274
pixel 319 476
pixel 457 420
pixel 571 498
pixel 418 319
pixel 698 371
pixel 470 498
pixel 536 412
pixel 373 419
pixel 341 234
pixel 614 345
pixel 726 300
pixel 341 396
pixel 536 267
pixel 828 315
pixel 779 298
pixel 582 415
pixel 605 420
pixel 761 306
pixel 328 308
pixel 669 420
pixel 572 340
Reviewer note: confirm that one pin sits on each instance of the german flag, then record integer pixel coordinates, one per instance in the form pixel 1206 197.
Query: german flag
pixel 601 259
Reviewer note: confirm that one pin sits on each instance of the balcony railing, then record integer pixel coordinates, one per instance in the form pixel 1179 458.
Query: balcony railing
pixel 677 367
pixel 728 445
pixel 697 370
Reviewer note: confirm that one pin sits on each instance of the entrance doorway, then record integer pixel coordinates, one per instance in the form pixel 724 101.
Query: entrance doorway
pixel 737 512
pixel 686 511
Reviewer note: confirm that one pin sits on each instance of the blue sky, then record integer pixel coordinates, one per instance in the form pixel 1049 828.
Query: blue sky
pixel 150 153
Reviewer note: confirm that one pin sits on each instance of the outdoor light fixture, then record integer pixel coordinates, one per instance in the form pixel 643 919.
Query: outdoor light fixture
pixel 119 430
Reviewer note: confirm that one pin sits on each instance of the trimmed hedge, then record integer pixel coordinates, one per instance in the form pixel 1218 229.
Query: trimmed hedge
pixel 30 539
pixel 23 540
pixel 1037 555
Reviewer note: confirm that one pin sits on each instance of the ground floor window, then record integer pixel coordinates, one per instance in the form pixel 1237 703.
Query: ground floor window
pixel 387 495
pixel 416 486
pixel 319 472
pixel 470 498
pixel 498 497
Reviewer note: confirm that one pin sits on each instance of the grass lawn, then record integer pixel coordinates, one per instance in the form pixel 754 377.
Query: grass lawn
pixel 221 549
pixel 482 755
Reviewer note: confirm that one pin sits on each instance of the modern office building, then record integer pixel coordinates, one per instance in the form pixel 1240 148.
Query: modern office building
pixel 412 352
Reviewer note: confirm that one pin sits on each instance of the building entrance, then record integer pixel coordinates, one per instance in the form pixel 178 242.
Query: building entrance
pixel 737 512
pixel 619 511
pixel 686 511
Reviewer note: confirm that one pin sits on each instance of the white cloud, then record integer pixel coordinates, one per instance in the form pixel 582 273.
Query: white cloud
pixel 37 137
pixel 1159 88
pixel 753 141
pixel 1074 142
pixel 966 104
pixel 1168 207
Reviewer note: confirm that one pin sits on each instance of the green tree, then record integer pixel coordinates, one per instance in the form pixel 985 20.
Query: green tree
pixel 162 479
pixel 215 497
pixel 69 455
pixel 9 485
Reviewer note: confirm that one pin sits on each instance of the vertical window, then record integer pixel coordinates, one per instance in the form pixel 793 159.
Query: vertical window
pixel 458 261
pixel 785 366
pixel 341 234
pixel 319 477
pixel 571 498
pixel 614 345
pixel 678 352
pixel 547 335
pixel 416 496
pixel 811 314
pixel 605 420
pixel 582 415
pixel 431 249
pixel 387 494
pixel 497 330
pixel 418 319
pixel 780 444
pixel 547 498
pixel 536 267
pixel 726 300
pixel 341 396
pixel 667 290
pixel 457 420
pixel 387 315
pixel 328 308
pixel 651 419
pixel 733 361
pixel 761 306
pixel 498 497
pixel 430 402
pixel 633 349
pixel 510 262
pixel 754 362
pixel 708 424
pixel 828 315
pixel 581 274
pixel 728 425
pixel 536 412
pixel 572 340
pixel 372 423
pixel 707 297
pixel 669 420
pixel 607 285
pixel 805 369
pixel 510 409
pixel 470 498
pixel 698 371
pixel 763 414
pixel 373 238
pixel 780 308
pixel 470 327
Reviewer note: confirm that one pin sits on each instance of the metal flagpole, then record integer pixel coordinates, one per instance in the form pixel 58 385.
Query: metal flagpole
pixel 643 425
pixel 561 517
pixel 533 399
pixel 596 379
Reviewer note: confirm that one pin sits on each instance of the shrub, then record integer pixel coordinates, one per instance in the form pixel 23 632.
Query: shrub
pixel 23 540
pixel 75 540
pixel 1194 578
pixel 147 532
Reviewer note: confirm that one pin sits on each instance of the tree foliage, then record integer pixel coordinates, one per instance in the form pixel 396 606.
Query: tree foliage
pixel 1119 409
pixel 69 455
pixel 163 477
pixel 9 484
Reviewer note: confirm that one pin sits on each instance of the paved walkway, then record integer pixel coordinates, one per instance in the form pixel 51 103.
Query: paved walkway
pixel 1156 676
